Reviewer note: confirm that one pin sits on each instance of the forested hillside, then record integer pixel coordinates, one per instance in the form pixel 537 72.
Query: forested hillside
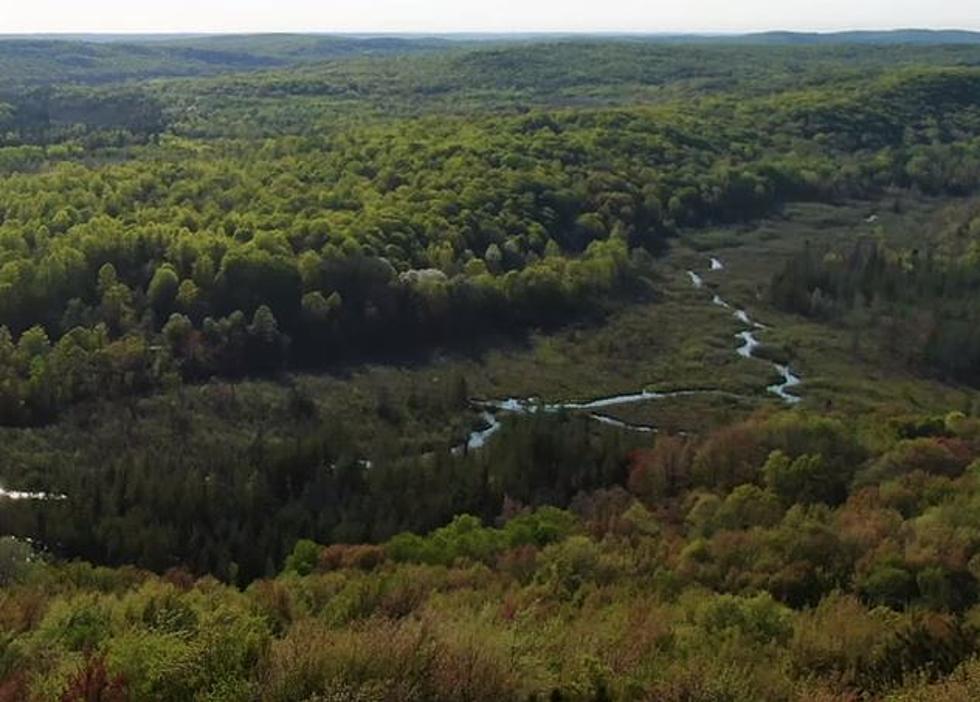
pixel 29 61
pixel 439 369
pixel 790 557
pixel 198 259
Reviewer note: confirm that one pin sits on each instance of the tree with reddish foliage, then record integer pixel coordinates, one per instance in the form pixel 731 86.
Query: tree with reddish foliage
pixel 730 456
pixel 360 556
pixel 93 683
pixel 663 471
pixel 520 562
pixel 13 688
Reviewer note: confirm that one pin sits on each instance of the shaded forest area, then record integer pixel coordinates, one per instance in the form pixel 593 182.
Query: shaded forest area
pixel 925 297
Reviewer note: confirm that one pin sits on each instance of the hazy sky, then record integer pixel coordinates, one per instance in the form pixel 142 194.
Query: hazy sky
pixel 488 15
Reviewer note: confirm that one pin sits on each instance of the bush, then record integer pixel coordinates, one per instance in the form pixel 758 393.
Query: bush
pixel 888 585
pixel 15 560
pixel 569 564
pixel 759 618
pixel 362 557
pixel 304 558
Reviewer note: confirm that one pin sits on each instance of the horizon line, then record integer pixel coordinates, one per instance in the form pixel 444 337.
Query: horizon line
pixel 483 32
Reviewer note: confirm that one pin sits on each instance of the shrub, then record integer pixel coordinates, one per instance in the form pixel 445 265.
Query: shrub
pixel 569 564
pixel 888 585
pixel 841 640
pixel 361 556
pixel 759 618
pixel 303 559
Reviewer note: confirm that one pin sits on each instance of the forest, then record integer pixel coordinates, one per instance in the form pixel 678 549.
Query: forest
pixel 786 557
pixel 339 368
pixel 216 258
pixel 923 292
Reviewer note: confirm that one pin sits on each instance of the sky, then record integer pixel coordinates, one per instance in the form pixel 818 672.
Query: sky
pixel 159 16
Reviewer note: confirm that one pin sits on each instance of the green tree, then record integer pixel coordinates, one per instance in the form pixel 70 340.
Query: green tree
pixel 163 288
pixel 806 478
pixel 303 558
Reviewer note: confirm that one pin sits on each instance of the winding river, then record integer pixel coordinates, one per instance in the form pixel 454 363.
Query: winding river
pixel 749 344
pixel 20 495
pixel 492 409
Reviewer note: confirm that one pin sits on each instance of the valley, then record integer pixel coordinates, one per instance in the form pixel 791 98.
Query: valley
pixel 427 369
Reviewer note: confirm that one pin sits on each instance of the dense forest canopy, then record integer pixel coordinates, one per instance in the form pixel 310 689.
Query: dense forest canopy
pixel 256 292
pixel 792 556
pixel 198 257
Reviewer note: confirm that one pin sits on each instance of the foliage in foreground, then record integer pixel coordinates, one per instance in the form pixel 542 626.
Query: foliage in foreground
pixel 788 557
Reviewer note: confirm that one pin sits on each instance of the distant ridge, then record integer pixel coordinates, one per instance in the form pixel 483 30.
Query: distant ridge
pixel 37 60
pixel 896 36
pixel 889 36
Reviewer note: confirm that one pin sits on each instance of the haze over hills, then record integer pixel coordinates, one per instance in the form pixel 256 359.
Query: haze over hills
pixel 87 58
pixel 54 60
pixel 892 36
